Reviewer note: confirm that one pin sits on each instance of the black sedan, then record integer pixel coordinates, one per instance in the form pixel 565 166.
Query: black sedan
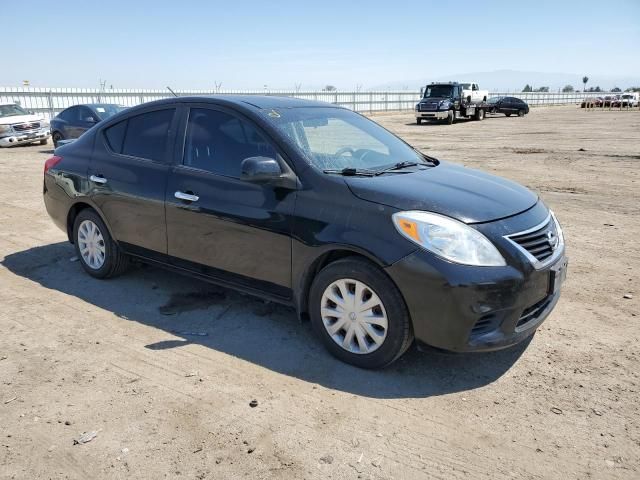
pixel 508 105
pixel 314 206
pixel 74 121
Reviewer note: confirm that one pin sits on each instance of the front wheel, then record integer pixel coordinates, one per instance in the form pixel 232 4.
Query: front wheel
pixel 359 314
pixel 44 141
pixel 521 113
pixel 418 121
pixel 507 114
pixel 99 255
pixel 450 117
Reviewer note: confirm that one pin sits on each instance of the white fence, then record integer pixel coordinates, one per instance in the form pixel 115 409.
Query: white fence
pixel 50 101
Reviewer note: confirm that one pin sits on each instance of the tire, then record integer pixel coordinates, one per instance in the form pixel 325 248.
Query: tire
pixel 56 137
pixel 114 262
pixel 521 113
pixel 398 333
pixel 479 114
pixel 419 121
pixel 44 142
pixel 451 118
pixel 507 114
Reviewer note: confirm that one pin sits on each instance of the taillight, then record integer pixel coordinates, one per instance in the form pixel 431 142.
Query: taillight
pixel 52 162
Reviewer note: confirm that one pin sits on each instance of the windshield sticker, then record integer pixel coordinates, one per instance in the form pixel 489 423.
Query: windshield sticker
pixel 274 114
pixel 100 110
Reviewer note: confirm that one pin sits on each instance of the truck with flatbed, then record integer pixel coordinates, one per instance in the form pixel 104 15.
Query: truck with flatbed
pixel 449 101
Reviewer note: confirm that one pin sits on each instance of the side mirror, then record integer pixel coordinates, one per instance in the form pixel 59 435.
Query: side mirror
pixel 260 170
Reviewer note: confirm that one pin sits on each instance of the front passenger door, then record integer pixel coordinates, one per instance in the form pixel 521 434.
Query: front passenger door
pixel 222 225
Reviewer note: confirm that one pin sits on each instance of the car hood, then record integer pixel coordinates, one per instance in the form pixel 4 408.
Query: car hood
pixel 462 193
pixel 20 119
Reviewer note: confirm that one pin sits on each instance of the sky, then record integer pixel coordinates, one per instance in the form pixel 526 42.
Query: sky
pixel 297 44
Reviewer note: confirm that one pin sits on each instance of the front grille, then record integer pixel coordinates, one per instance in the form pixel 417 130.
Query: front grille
pixel 540 243
pixel 424 107
pixel 23 127
pixel 532 313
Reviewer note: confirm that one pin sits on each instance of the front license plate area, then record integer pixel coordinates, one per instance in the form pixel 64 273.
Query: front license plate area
pixel 557 276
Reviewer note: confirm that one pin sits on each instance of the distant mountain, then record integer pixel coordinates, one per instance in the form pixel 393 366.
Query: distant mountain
pixel 514 80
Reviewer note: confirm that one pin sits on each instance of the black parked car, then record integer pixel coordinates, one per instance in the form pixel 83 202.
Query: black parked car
pixel 314 206
pixel 74 121
pixel 508 106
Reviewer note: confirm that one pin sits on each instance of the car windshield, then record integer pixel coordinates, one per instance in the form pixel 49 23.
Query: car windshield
pixel 107 110
pixel 12 111
pixel 438 91
pixel 466 86
pixel 337 138
pixel 494 99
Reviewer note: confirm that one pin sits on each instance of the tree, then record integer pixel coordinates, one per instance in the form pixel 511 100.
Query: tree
pixel 329 88
pixel 633 89
pixel 568 89
pixel 527 88
pixel 542 89
pixel 616 89
pixel 585 79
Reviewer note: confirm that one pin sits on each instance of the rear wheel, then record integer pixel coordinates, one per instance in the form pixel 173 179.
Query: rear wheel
pixel 56 137
pixel 359 314
pixel 418 121
pixel 479 114
pixel 99 255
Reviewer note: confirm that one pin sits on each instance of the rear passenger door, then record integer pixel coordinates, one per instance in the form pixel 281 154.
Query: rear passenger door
pixel 234 230
pixel 128 175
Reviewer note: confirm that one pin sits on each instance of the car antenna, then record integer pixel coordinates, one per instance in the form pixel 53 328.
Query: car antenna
pixel 174 93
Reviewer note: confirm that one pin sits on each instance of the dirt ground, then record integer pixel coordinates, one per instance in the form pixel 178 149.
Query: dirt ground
pixel 120 357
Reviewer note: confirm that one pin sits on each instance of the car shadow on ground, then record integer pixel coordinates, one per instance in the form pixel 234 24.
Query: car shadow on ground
pixel 266 334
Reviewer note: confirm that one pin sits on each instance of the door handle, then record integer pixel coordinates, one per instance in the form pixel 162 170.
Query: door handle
pixel 188 197
pixel 97 179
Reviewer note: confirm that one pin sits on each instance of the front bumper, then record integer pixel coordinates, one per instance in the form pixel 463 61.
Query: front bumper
pixel 432 115
pixel 463 308
pixel 25 137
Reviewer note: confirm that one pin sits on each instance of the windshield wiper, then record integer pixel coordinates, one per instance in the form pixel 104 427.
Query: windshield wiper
pixel 397 166
pixel 351 172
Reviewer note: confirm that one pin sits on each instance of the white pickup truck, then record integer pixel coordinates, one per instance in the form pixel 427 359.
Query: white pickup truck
pixel 472 93
pixel 17 126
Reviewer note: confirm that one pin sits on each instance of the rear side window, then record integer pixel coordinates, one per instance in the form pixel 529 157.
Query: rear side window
pixel 69 114
pixel 143 136
pixel 218 142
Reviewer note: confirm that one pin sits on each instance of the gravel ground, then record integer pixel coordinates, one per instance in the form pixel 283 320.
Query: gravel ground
pixel 119 357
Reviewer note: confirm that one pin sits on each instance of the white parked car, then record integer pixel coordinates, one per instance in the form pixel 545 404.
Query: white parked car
pixel 629 99
pixel 471 91
pixel 17 126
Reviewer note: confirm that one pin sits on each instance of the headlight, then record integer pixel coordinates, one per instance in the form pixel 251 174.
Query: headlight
pixel 448 238
pixel 4 129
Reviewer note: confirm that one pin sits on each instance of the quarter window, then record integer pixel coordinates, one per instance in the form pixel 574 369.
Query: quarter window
pixel 218 142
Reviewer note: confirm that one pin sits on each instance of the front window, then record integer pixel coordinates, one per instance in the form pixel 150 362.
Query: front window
pixel 494 99
pixel 336 138
pixel 438 91
pixel 12 111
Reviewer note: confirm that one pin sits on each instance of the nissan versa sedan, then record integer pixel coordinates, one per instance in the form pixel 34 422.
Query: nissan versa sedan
pixel 315 206
pixel 508 105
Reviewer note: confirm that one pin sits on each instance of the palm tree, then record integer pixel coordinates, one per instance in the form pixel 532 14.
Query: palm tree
pixel 584 81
